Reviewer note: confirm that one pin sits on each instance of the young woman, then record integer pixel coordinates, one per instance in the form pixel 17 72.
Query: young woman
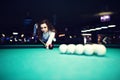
pixel 46 33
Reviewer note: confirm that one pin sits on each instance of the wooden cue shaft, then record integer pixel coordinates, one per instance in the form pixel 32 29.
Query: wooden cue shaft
pixel 42 42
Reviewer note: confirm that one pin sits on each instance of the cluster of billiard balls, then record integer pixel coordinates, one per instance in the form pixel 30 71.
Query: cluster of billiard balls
pixel 87 49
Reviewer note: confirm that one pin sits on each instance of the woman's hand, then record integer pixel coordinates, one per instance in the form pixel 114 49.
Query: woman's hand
pixel 47 46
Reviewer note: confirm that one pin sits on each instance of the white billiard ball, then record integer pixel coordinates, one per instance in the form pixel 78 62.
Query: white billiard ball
pixel 71 48
pixel 79 49
pixel 100 50
pixel 88 49
pixel 63 48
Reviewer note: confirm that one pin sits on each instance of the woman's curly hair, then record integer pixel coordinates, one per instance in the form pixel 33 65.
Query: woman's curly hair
pixel 50 27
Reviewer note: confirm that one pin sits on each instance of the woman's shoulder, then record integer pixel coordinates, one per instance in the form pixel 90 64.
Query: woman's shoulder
pixel 51 32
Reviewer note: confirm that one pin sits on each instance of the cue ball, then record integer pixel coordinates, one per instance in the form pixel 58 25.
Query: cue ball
pixel 88 49
pixel 79 49
pixel 63 48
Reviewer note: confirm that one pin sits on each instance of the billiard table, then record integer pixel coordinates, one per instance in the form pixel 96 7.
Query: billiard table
pixel 34 62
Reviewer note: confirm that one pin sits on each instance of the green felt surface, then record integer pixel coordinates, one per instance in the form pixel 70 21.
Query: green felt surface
pixel 42 64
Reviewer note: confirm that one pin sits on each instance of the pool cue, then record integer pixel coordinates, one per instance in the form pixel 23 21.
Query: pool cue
pixel 42 42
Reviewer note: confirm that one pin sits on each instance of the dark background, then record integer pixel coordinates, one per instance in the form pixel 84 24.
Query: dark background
pixel 62 13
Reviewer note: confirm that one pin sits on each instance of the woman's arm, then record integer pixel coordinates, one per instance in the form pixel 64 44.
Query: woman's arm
pixel 50 39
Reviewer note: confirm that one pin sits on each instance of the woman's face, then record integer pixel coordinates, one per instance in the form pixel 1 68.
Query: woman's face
pixel 44 27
